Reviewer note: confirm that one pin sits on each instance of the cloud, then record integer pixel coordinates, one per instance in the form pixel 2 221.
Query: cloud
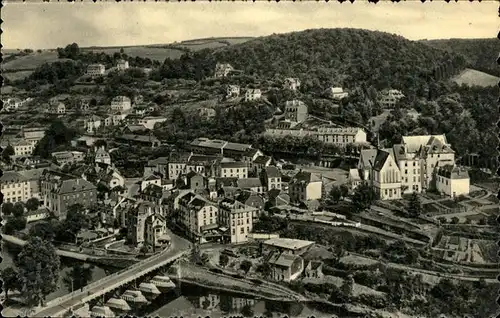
pixel 49 25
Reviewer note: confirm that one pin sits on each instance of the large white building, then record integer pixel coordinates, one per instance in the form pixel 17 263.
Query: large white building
pixel 96 70
pixel 452 181
pixel 121 103
pixel 305 186
pixel 15 187
pixel 342 136
pixel 238 218
pixel 389 98
pixel 253 94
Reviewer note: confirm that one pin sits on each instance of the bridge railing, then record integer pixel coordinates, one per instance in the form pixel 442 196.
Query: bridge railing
pixel 69 296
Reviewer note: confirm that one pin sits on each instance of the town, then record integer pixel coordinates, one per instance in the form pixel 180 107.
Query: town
pixel 236 187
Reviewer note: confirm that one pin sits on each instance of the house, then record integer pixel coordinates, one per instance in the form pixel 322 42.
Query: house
pixel 23 148
pixel 389 98
pixel 237 218
pixel 195 181
pixel 122 65
pixel 150 122
pixel 452 181
pixel 291 83
pixel 152 179
pixel 410 167
pixel 285 267
pixel 197 216
pixel 232 91
pixel 139 140
pixel 187 162
pixel 11 104
pixel 295 111
pixel 305 186
pixel 32 176
pixel 337 93
pixel 252 199
pixel 386 176
pixel 287 246
pixel 222 70
pixel 271 178
pixel 93 123
pixel 102 156
pixel 342 136
pixel 15 187
pixel 137 217
pixel 218 147
pixel 96 70
pixel 132 129
pixel 278 198
pixel 68 157
pixel 156 230
pixel 356 178
pixel 37 215
pixel 250 184
pixel 121 103
pixel 252 94
pixel 33 134
pixel 206 112
pixel 314 269
pixel 60 108
pixel 84 105
pixel 232 169
pixel 261 162
pixel 152 193
pixel 59 191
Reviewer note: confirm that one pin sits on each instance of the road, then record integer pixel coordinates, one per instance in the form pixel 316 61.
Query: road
pixel 57 307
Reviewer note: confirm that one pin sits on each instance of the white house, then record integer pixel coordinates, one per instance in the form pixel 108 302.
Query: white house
pixel 337 93
pixel 223 70
pixel 389 98
pixel 232 91
pixel 102 156
pixel 92 124
pixel 23 148
pixel 238 218
pixel 452 181
pixel 121 103
pixel 122 65
pixel 386 176
pixel 342 136
pixel 149 122
pixel 15 187
pixel 291 83
pixel 96 70
pixel 253 94
pixel 305 186
pixel 233 170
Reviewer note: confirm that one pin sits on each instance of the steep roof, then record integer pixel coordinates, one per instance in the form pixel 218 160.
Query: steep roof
pixel 414 143
pixel 260 160
pixel 12 176
pixel 307 177
pixel 282 260
pixel 380 159
pixel 272 172
pixel 367 157
pixel 75 185
pixel 453 172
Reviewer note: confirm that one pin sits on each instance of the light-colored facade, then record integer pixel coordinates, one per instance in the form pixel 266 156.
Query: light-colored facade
pixel 23 148
pixel 238 218
pixel 102 156
pixel 291 83
pixel 252 94
pixel 271 178
pixel 232 170
pixel 197 213
pixel 232 91
pixel 149 122
pixel 337 93
pixel 122 65
pixel 386 176
pixel 285 267
pixel 452 181
pixel 68 157
pixel 222 70
pixel 305 186
pixel 96 70
pixel 15 187
pixel 389 98
pixel 296 111
pixel 121 103
pixel 342 136
pixel 33 134
pixel 92 124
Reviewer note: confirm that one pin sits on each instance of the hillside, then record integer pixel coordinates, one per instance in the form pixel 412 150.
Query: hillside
pixel 325 57
pixel 471 77
pixel 480 54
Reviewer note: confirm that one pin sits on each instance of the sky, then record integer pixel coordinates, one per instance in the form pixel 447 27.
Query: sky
pixel 50 25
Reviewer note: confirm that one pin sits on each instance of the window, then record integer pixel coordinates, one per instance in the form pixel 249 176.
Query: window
pixel 242 230
pixel 414 163
pixel 234 232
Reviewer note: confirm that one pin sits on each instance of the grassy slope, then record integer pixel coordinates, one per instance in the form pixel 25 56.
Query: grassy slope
pixel 472 77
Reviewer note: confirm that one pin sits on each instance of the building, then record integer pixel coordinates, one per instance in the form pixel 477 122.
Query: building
pixel 152 179
pixel 356 178
pixel 204 165
pixel 32 176
pixel 252 199
pixel 68 157
pixel 150 122
pixel 137 217
pixel 195 181
pixel 122 65
pixel 139 140
pixel 96 70
pixel 285 267
pixel 11 104
pixel 410 167
pixel 232 170
pixel 102 156
pixel 37 215
pixel 207 146
pixel 287 246
pixel 291 83
pixel 92 124
pixel 386 176
pixel 15 187
pixel 33 134
pixel 271 178
pixel 222 70
pixel 295 111
pixel 252 94
pixel 260 162
pixel 155 231
pixel 452 181
pixel 389 98
pixel 23 148
pixel 59 191
pixel 305 186
pixel 60 108
pixel 337 93
pixel 121 103
pixel 237 218
pixel 198 216
pixel 342 136
pixel 314 269
pixel 250 184
pixel 232 91
pixel 206 112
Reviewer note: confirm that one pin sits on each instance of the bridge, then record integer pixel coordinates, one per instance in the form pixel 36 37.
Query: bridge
pixel 178 248
pixel 74 255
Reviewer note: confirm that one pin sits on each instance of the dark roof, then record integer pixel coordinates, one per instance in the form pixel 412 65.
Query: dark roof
pixel 453 172
pixel 303 176
pixel 248 183
pixel 262 160
pixel 75 185
pixel 236 164
pixel 226 181
pixel 272 172
pixel 139 138
pixel 380 159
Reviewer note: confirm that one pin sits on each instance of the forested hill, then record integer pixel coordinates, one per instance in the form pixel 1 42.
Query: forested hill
pixel 480 54
pixel 325 57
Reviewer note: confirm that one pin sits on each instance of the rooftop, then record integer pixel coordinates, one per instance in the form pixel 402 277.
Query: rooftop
pixel 282 259
pixel 287 243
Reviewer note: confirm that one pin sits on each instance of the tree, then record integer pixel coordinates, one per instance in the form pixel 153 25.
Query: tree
pixel 45 230
pixel 10 279
pixel 7 208
pixel 76 219
pixel 223 260
pixel 347 286
pixel 7 153
pixel 344 190
pixel 18 210
pixel 363 197
pixel 79 276
pixel 335 194
pixel 205 258
pixel 265 269
pixel 247 311
pixel 245 266
pixel 144 249
pixel 14 224
pixel 32 204
pixel 39 267
pixel 414 206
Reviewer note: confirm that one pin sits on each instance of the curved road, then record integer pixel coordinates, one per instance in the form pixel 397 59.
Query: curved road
pixel 57 307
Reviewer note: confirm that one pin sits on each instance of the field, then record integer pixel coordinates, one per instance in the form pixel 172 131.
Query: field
pixel 213 43
pixel 17 75
pixel 153 53
pixel 471 77
pixel 31 61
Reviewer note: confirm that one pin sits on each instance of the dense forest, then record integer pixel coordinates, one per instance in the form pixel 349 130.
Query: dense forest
pixel 480 54
pixel 325 57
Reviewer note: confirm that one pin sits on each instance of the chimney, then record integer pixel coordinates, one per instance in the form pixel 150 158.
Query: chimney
pixel 78 181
